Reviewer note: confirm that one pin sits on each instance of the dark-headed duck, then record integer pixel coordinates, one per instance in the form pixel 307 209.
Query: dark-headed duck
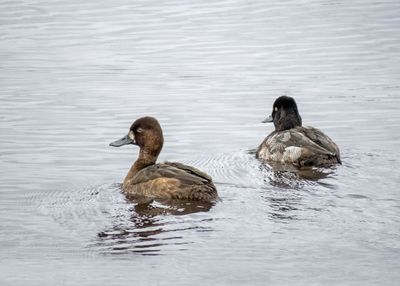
pixel 164 181
pixel 292 143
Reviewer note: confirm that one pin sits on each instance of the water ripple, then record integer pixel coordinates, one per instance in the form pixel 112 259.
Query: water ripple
pixel 73 77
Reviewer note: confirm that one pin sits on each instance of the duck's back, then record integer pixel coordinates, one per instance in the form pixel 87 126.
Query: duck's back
pixel 172 181
pixel 301 146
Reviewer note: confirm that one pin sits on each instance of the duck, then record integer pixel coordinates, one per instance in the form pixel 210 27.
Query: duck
pixel 147 179
pixel 292 143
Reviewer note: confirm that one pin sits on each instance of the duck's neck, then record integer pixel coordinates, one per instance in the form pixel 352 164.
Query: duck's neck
pixel 144 160
pixel 288 121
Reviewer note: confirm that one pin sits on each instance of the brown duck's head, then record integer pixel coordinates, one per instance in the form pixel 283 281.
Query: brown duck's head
pixel 284 114
pixel 146 133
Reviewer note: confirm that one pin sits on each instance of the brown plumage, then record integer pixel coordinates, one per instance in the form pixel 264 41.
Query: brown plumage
pixel 292 143
pixel 164 181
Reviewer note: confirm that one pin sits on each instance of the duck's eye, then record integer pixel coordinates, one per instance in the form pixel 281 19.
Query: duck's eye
pixel 139 130
pixel 276 108
pixel 130 135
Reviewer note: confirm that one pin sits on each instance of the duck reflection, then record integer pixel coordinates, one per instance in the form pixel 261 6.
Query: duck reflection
pixel 290 186
pixel 287 176
pixel 149 227
pixel 157 208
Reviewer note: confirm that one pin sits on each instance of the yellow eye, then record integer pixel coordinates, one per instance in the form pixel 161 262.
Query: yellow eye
pixel 139 130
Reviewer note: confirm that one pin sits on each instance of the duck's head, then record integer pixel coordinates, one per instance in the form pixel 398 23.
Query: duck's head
pixel 284 114
pixel 146 133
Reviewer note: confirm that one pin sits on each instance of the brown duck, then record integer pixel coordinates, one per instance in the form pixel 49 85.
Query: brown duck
pixel 164 181
pixel 294 144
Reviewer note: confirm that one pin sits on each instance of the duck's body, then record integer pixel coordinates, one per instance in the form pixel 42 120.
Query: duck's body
pixel 171 181
pixel 292 143
pixel 163 181
pixel 300 146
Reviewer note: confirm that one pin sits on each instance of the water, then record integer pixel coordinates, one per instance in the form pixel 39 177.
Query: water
pixel 75 74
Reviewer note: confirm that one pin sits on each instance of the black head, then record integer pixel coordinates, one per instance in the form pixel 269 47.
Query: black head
pixel 146 133
pixel 284 114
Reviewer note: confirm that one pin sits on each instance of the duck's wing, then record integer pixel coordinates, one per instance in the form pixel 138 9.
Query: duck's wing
pixel 184 173
pixel 174 180
pixel 190 170
pixel 317 149
pixel 321 139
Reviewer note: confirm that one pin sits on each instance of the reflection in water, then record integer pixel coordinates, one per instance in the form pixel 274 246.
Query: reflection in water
pixel 171 208
pixel 147 231
pixel 283 206
pixel 289 176
pixel 289 186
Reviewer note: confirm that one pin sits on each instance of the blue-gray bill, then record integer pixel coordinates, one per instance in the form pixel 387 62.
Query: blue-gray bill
pixel 268 119
pixel 123 141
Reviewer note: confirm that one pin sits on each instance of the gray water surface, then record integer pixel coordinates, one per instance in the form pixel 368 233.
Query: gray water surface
pixel 75 74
